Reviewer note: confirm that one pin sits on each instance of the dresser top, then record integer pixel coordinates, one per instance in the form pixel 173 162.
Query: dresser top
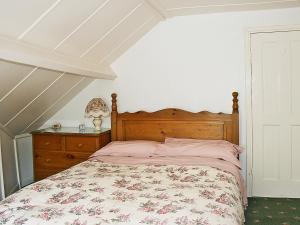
pixel 71 130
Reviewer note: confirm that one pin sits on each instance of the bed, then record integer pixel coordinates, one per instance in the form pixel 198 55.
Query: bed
pixel 108 189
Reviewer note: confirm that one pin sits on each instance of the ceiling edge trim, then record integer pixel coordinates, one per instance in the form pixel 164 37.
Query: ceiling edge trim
pixel 24 53
pixel 158 8
pixel 245 4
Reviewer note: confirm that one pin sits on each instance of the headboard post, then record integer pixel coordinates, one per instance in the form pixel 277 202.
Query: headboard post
pixel 235 105
pixel 235 117
pixel 114 115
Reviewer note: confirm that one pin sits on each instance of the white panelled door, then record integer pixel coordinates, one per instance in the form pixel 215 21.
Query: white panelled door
pixel 276 113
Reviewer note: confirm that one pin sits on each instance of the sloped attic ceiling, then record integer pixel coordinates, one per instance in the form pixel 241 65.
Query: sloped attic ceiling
pixel 52 49
pixel 29 95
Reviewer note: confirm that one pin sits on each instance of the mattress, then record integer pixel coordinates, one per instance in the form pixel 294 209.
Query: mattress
pixel 102 192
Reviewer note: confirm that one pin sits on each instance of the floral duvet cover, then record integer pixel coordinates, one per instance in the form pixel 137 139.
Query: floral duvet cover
pixel 100 193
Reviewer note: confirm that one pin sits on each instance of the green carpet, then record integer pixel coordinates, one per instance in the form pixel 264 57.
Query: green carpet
pixel 273 211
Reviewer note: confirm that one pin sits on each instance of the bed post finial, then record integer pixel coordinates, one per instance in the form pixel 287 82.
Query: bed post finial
pixel 114 115
pixel 235 105
pixel 235 118
pixel 114 102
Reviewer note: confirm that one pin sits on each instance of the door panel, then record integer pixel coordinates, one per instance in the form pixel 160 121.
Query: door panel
pixel 271 152
pixel 295 77
pixel 295 164
pixel 276 113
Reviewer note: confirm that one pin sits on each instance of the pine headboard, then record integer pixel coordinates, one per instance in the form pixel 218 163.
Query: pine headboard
pixel 177 123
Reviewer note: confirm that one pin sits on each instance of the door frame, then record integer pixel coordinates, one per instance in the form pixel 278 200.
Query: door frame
pixel 248 79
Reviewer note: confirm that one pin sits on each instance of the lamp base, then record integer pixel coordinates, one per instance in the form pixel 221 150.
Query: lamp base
pixel 97 121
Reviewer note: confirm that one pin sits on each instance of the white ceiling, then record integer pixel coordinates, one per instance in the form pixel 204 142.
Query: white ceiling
pixel 98 31
pixel 68 43
pixel 94 31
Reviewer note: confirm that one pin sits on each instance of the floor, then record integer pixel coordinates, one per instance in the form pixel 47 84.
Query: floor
pixel 273 211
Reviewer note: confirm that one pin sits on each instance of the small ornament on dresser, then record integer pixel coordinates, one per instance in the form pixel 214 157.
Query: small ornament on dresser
pixel 56 126
pixel 96 109
pixel 81 127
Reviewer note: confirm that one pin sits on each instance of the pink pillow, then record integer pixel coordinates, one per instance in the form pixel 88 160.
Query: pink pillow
pixel 235 149
pixel 200 148
pixel 128 148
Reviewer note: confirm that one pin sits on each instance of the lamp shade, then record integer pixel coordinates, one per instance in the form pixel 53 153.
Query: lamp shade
pixel 96 108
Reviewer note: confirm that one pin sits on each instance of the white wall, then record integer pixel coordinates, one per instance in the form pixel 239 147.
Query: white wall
pixel 192 62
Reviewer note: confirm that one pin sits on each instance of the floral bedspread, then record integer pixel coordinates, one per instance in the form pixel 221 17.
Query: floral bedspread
pixel 100 193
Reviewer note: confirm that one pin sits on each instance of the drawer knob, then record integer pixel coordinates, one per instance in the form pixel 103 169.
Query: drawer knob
pixel 47 143
pixel 79 145
pixel 48 160
pixel 70 156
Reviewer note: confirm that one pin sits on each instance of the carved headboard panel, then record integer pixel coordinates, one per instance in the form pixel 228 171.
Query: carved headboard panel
pixel 175 123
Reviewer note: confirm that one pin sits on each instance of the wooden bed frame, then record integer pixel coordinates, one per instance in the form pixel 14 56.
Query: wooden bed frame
pixel 175 123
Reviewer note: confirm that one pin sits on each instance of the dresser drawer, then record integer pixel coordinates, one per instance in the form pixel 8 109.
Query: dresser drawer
pixel 41 174
pixel 82 144
pixel 55 151
pixel 49 142
pixel 58 160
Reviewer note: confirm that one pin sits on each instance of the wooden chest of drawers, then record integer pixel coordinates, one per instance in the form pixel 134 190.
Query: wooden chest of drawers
pixel 55 151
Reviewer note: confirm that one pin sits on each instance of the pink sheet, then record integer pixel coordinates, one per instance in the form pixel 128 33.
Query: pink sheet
pixel 182 161
pixel 222 143
pixel 202 149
